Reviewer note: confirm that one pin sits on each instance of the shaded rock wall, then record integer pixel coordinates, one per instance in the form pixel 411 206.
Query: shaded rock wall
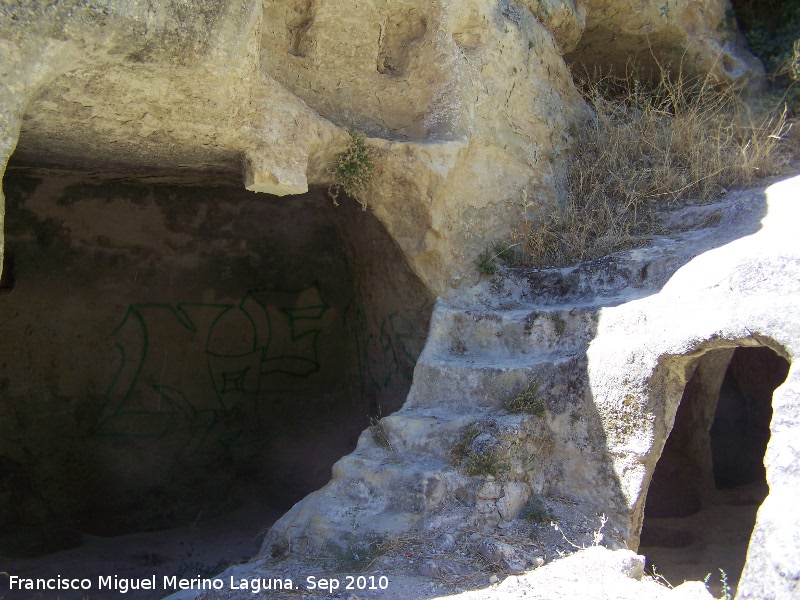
pixel 684 472
pixel 169 348
pixel 740 432
pixel 700 35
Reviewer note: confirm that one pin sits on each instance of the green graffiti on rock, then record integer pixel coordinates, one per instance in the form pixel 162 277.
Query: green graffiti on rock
pixel 193 373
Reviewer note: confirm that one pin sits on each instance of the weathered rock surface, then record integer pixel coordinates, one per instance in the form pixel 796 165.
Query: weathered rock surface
pixel 595 572
pixel 468 102
pixel 479 87
pixel 468 105
pixel 700 35
pixel 612 350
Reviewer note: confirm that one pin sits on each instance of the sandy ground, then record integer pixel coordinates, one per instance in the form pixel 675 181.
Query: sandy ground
pixel 715 538
pixel 204 547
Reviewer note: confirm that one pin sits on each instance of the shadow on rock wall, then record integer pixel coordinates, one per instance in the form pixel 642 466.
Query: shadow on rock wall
pixel 172 349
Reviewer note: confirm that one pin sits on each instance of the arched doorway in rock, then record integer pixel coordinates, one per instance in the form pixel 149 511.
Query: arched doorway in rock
pixel 710 479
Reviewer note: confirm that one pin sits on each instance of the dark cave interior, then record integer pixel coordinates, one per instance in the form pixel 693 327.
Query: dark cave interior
pixel 175 347
pixel 710 479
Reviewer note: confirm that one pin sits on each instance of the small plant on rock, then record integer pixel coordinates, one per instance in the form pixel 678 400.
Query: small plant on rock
pixel 485 263
pixel 278 552
pixel 476 462
pixel 353 170
pixel 725 589
pixel 536 512
pixel 379 434
pixel 559 324
pixel 527 401
pixel 499 253
pixel 356 555
pixel 486 463
pixel 463 446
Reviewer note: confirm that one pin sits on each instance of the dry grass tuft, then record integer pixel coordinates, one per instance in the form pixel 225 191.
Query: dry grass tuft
pixel 648 147
pixel 379 435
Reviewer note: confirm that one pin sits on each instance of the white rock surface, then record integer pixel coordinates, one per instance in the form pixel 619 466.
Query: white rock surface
pixel 595 572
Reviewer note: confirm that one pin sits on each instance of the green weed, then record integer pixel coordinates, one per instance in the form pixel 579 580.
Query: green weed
pixel 463 446
pixel 485 263
pixel 527 401
pixel 355 556
pixel 725 589
pixel 498 254
pixel 354 170
pixel 536 512
pixel 559 324
pixel 463 455
pixel 488 463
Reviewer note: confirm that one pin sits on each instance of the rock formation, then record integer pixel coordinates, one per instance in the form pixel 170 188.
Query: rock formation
pixel 611 343
pixel 469 102
pixel 122 115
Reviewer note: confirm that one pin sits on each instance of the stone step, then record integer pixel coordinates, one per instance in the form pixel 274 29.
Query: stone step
pixel 600 278
pixel 605 281
pixel 372 493
pixel 395 482
pixel 430 432
pixel 487 383
pixel 434 435
pixel 500 335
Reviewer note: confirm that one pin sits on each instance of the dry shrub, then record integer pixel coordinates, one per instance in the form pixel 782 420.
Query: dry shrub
pixel 354 170
pixel 649 147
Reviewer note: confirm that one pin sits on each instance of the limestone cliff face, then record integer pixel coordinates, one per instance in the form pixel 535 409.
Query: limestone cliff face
pixel 469 102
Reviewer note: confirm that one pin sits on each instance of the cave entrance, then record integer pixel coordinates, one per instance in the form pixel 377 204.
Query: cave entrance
pixel 175 350
pixel 710 480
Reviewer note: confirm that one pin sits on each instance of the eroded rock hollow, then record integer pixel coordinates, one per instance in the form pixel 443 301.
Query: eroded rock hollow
pixel 710 480
pixel 174 347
